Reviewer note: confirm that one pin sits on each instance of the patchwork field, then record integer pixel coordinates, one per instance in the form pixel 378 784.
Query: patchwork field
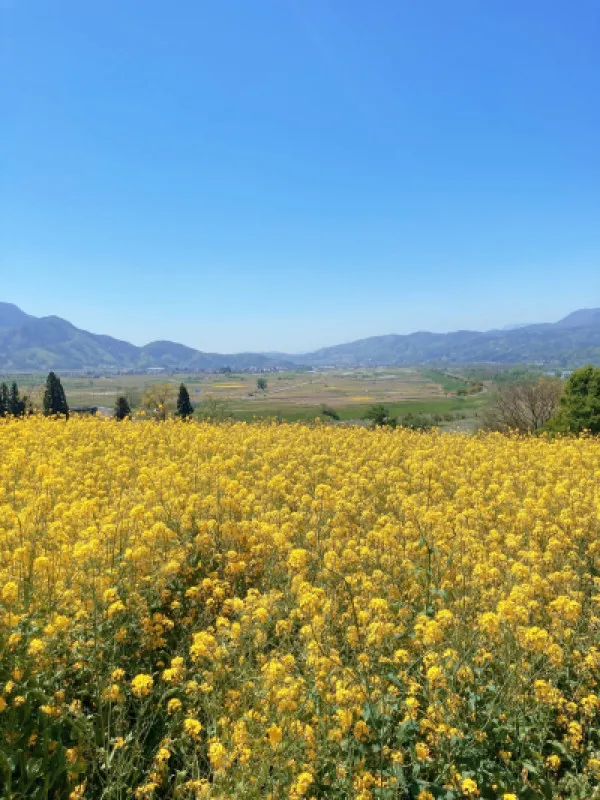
pixel 290 611
pixel 293 395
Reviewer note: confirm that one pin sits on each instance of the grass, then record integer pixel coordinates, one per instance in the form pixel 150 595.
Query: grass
pixel 356 411
pixel 448 382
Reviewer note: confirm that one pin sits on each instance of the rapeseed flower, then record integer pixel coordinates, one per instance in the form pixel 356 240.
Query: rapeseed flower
pixel 299 607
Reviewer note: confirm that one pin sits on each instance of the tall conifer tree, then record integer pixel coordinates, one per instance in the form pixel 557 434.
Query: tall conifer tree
pixel 3 400
pixel 16 406
pixel 185 409
pixel 122 408
pixel 55 401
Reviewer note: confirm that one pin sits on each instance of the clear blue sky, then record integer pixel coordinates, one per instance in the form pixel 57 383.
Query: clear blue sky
pixel 286 174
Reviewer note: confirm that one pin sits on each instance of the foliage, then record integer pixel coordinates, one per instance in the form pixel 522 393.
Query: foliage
pixel 261 384
pixel 214 409
pixel 11 402
pixel 185 409
pixel 91 410
pixel 122 408
pixel 580 403
pixel 525 407
pixel 330 412
pixel 55 401
pixel 158 400
pixel 380 416
pixel 288 611
pixel 16 404
pixel 416 422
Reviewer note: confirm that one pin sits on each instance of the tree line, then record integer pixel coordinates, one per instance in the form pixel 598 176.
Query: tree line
pixel 15 404
pixel 548 404
pixel 54 402
pixel 545 405
pixel 11 402
pixel 157 400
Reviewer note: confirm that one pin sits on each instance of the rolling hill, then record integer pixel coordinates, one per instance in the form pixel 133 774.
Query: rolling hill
pixel 11 316
pixel 36 344
pixel 572 341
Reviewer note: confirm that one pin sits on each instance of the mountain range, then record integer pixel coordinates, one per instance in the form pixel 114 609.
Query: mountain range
pixel 36 344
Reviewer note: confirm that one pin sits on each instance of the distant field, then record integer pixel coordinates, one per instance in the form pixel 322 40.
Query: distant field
pixel 355 411
pixel 293 395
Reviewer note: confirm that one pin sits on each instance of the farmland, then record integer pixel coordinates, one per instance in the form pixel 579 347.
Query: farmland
pixel 294 396
pixel 289 611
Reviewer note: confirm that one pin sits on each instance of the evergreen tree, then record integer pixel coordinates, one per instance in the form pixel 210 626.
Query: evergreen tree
pixel 3 400
pixel 16 405
pixel 55 401
pixel 185 409
pixel 122 408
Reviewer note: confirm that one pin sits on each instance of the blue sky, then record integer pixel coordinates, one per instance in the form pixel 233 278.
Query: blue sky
pixel 286 174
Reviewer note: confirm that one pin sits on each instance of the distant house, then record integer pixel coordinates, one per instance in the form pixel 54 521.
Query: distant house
pixel 155 370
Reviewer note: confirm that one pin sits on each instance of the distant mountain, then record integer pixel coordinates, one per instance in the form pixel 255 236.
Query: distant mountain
pixel 172 355
pixel 583 318
pixel 38 344
pixel 53 343
pixel 11 316
pixel 35 344
pixel 572 341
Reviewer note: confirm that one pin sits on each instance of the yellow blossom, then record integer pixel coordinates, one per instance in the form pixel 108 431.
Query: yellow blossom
pixel 192 727
pixel 174 705
pixel 217 755
pixel 142 685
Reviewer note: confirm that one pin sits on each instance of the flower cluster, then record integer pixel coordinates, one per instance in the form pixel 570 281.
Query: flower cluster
pixel 293 611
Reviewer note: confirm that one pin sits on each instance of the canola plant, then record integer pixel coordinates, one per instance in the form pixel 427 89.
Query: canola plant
pixel 290 611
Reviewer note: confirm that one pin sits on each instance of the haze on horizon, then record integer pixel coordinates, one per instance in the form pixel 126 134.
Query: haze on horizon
pixel 287 175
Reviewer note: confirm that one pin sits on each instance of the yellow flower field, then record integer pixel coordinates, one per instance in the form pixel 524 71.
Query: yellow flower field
pixel 285 611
